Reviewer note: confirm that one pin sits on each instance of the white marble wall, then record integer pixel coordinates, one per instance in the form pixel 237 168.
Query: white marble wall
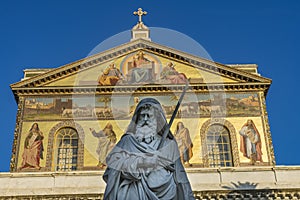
pixel 208 179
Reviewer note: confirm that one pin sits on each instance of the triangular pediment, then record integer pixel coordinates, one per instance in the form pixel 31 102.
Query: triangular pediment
pixel 150 58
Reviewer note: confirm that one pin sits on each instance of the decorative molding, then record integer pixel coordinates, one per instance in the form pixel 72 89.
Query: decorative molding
pixel 233 140
pixel 51 138
pixel 268 137
pixel 17 135
pixel 122 89
pixel 248 194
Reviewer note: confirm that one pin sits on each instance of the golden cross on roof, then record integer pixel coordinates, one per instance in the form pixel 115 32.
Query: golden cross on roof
pixel 140 13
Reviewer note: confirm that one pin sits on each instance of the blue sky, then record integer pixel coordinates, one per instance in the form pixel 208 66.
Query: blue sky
pixel 39 34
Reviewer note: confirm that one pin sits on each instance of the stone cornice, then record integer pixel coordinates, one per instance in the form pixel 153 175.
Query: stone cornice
pixel 217 87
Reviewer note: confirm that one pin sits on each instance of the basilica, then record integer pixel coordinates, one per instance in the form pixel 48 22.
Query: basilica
pixel 70 117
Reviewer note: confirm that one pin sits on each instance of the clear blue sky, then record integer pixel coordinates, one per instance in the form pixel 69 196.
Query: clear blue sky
pixel 38 34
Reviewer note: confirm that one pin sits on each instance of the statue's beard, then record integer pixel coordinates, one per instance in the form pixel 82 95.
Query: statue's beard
pixel 145 130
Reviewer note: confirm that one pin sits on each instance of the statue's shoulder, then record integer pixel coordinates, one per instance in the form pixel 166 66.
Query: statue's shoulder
pixel 127 136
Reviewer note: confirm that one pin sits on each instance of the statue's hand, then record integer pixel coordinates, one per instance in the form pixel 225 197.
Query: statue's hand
pixel 148 161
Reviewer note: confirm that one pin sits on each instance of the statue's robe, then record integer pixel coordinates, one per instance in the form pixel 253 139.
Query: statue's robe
pixel 125 181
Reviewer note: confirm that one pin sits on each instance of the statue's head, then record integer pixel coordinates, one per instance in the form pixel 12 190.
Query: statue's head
pixel 148 115
pixel 146 124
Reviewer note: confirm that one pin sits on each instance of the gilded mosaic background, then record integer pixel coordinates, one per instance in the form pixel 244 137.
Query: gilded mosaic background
pixel 96 112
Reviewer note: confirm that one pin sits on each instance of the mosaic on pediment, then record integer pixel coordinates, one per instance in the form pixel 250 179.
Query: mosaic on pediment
pixel 139 68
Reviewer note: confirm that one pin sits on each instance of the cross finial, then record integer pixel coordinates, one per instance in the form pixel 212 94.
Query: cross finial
pixel 140 13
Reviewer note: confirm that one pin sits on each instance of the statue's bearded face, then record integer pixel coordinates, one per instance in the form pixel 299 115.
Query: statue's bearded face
pixel 147 123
